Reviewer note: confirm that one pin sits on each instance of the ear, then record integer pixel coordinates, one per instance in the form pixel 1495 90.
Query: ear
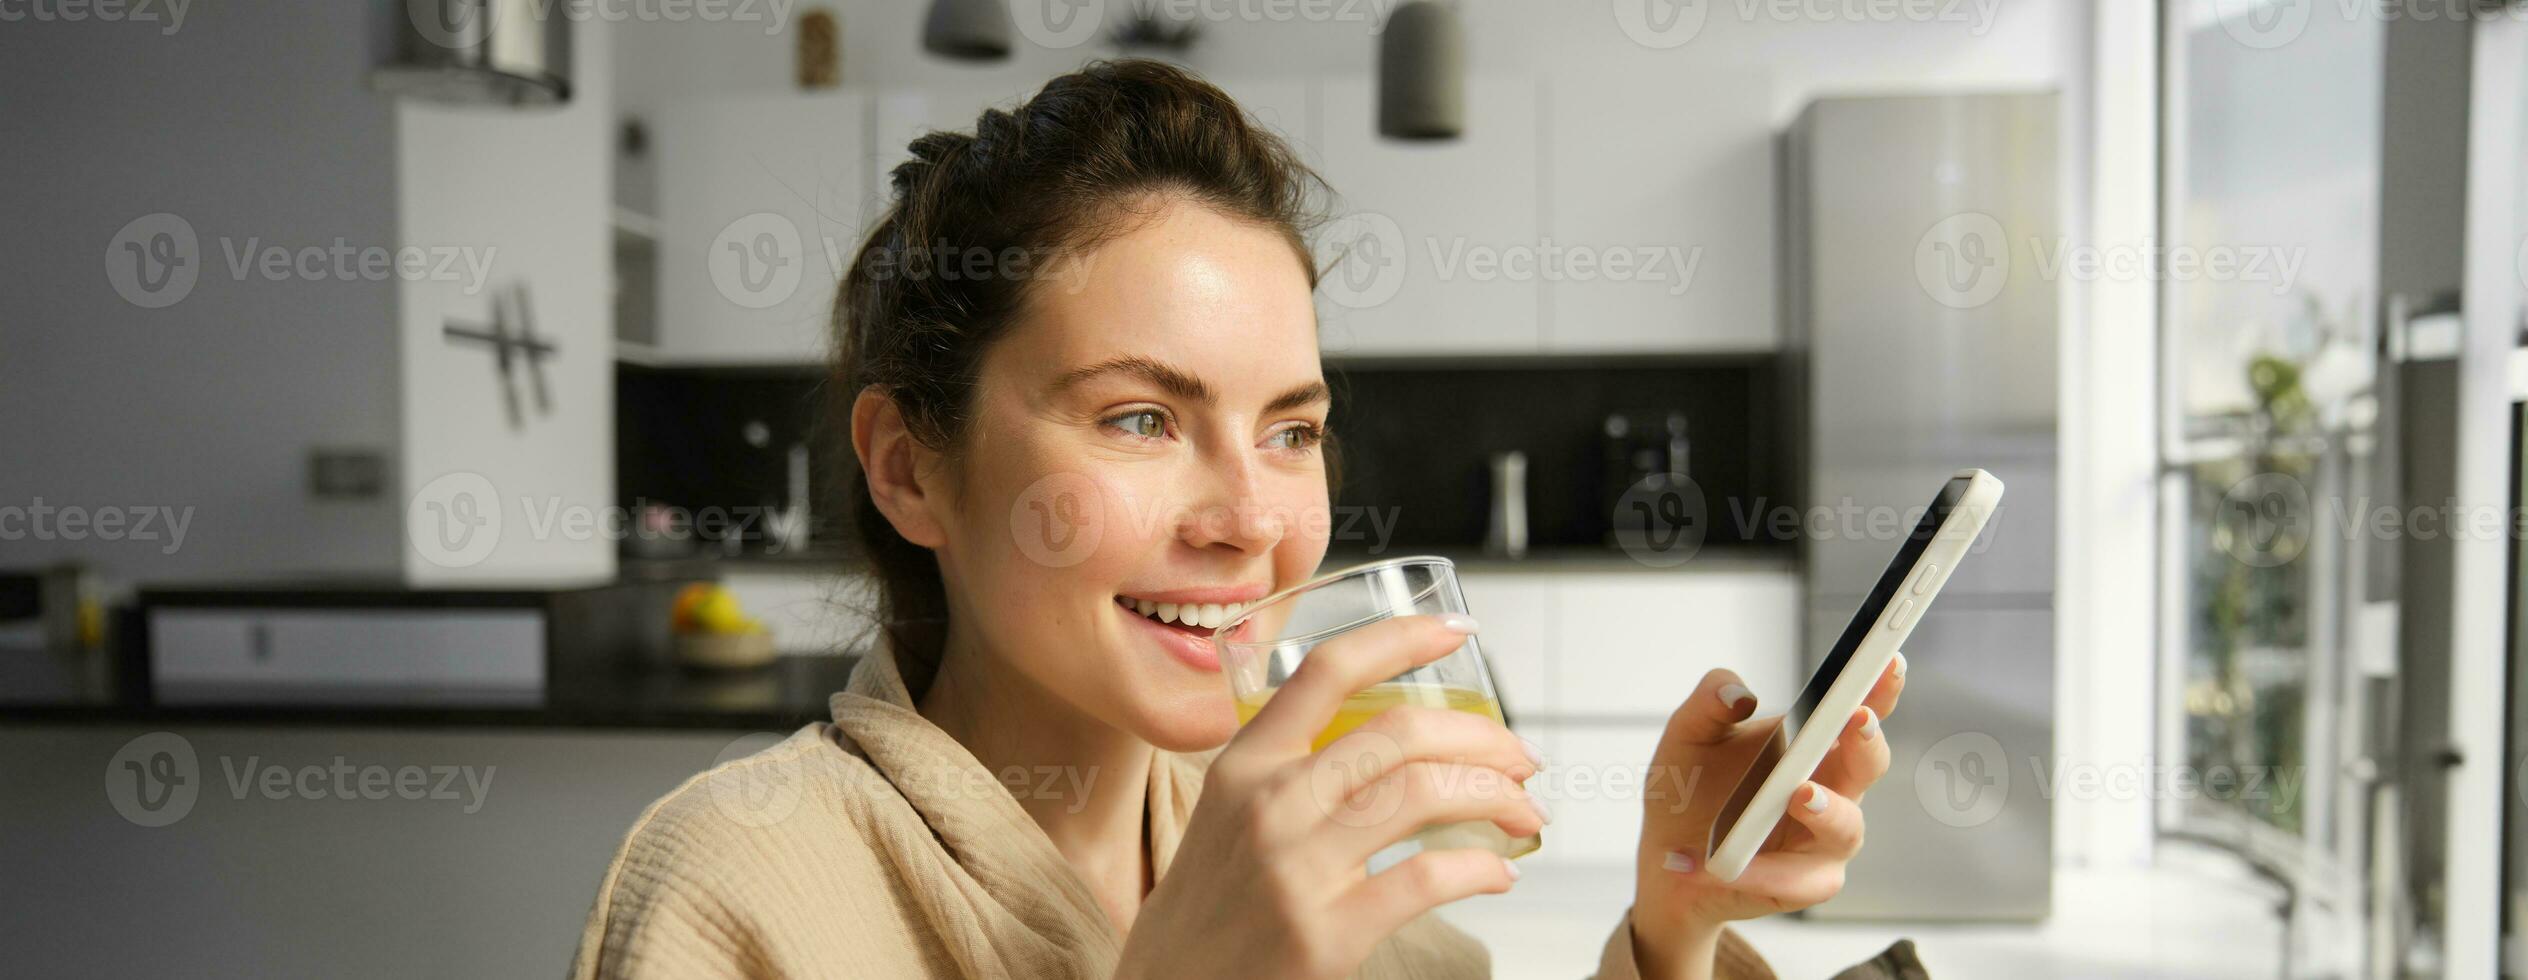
pixel 895 465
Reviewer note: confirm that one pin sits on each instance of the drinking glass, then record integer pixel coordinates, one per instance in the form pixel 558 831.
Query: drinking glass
pixel 1273 637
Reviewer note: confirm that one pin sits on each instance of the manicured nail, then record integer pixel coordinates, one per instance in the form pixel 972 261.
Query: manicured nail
pixel 1869 723
pixel 1534 754
pixel 1816 798
pixel 1900 665
pixel 1457 622
pixel 1732 694
pixel 1512 867
pixel 1678 862
pixel 1539 806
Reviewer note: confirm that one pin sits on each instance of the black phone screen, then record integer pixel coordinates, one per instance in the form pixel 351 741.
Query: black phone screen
pixel 1880 595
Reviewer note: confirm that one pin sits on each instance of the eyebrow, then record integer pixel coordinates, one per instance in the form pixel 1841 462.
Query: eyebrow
pixel 1181 384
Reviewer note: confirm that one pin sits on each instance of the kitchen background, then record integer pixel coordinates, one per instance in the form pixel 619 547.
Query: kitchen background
pixel 415 419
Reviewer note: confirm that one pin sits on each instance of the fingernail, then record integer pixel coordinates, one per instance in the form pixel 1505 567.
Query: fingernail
pixel 1678 862
pixel 1457 622
pixel 1539 806
pixel 1816 798
pixel 1869 723
pixel 1900 665
pixel 1732 694
pixel 1512 867
pixel 1534 754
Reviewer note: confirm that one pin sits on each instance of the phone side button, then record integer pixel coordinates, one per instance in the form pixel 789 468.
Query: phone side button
pixel 1904 611
pixel 1925 579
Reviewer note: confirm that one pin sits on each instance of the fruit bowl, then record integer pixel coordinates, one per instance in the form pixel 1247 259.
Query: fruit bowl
pixel 725 651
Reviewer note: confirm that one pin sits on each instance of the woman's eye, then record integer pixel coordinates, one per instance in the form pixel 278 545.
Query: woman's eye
pixel 1295 437
pixel 1147 423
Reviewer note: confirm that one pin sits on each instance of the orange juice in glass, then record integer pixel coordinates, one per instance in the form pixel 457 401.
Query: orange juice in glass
pixel 1274 636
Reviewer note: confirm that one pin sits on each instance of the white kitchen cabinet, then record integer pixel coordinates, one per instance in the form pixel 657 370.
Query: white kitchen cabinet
pixel 1630 644
pixel 1595 784
pixel 1680 193
pixel 1440 227
pixel 1516 613
pixel 1591 664
pixel 762 200
pixel 1634 644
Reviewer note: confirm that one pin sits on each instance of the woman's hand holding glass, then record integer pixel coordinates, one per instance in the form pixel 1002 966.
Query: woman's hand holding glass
pixel 1271 878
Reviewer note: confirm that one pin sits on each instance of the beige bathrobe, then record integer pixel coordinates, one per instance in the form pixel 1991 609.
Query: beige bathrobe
pixel 877 846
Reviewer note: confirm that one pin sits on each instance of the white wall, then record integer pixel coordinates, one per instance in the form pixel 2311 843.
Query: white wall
pixel 211 403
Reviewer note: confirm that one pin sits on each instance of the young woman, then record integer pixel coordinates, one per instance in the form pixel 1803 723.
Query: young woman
pixel 1078 359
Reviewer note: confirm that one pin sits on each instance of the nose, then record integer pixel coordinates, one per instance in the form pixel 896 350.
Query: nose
pixel 1228 507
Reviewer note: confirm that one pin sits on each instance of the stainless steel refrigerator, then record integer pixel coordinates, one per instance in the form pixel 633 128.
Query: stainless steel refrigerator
pixel 1923 245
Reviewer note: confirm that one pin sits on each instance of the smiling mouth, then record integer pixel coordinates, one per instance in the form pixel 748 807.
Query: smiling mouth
pixel 1199 618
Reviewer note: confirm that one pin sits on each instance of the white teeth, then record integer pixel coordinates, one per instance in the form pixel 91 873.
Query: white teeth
pixel 1200 615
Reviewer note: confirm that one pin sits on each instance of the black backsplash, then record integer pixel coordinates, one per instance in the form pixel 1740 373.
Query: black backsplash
pixel 1415 439
pixel 680 439
pixel 1420 440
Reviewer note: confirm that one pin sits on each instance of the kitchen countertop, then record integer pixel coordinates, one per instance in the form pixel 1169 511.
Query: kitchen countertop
pixel 37 689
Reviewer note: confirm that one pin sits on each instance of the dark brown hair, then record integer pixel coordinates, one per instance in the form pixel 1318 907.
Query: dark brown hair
pixel 1071 167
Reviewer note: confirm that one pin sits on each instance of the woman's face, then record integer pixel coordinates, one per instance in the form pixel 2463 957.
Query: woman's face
pixel 1148 431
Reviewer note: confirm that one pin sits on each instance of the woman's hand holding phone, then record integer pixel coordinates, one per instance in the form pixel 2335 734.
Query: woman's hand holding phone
pixel 1709 743
pixel 1271 876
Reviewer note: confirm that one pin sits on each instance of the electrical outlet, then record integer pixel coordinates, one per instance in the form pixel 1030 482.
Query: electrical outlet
pixel 346 474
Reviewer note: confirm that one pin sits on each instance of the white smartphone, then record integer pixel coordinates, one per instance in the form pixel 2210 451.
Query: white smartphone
pixel 1903 593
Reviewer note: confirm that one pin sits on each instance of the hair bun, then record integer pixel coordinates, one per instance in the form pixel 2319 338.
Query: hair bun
pixel 932 151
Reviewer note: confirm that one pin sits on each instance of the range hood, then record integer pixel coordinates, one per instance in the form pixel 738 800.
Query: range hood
pixel 479 52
